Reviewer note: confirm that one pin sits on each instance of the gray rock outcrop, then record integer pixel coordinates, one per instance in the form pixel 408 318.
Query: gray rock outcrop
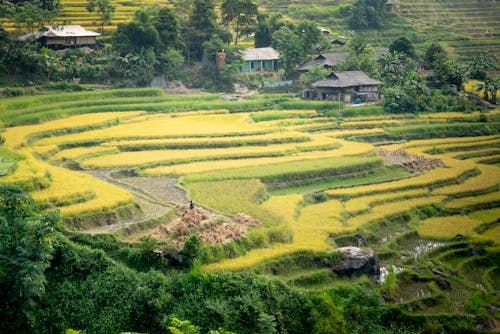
pixel 356 261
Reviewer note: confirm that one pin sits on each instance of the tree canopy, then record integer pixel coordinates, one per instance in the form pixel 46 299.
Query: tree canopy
pixel 243 14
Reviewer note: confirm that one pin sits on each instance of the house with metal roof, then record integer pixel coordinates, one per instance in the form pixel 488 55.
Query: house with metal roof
pixel 347 86
pixel 330 60
pixel 260 60
pixel 64 36
pixel 325 60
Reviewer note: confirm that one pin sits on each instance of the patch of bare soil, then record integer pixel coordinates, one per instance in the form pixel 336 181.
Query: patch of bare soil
pixel 161 187
pixel 212 227
pixel 179 88
pixel 412 162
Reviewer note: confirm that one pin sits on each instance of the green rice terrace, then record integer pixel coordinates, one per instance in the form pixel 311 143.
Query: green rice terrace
pixel 467 28
pixel 277 184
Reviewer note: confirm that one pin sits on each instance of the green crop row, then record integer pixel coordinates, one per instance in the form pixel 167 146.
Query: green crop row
pixel 292 171
pixel 17 103
pixel 212 144
pixel 444 130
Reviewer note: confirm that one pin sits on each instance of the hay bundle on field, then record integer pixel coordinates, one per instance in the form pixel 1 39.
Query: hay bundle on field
pixel 211 227
pixel 413 162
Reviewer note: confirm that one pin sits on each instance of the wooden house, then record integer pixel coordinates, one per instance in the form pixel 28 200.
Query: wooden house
pixel 64 36
pixel 348 86
pixel 260 60
pixel 325 60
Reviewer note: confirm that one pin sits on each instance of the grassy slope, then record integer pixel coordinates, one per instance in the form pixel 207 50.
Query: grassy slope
pixel 467 28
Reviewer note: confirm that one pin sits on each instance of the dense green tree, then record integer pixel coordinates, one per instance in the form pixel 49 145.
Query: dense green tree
pixel 287 42
pixel 403 45
pixel 360 57
pixel 314 74
pixel 193 251
pixel 267 24
pixel 26 239
pixel 167 24
pixel 30 17
pixel 435 55
pixel 367 14
pixel 136 35
pixel 480 66
pixel 243 14
pixel 404 90
pixel 169 63
pixel 103 8
pixel 136 67
pixel 453 73
pixel 295 43
pixel 201 27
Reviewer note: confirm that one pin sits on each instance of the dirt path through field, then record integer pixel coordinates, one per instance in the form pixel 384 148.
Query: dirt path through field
pixel 155 195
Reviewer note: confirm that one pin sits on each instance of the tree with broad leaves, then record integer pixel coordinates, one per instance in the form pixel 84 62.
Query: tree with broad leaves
pixel 26 239
pixel 489 88
pixel 103 8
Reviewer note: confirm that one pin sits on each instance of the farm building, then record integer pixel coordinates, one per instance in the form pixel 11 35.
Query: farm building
pixel 348 86
pixel 326 60
pixel 260 59
pixel 66 36
pixel 330 60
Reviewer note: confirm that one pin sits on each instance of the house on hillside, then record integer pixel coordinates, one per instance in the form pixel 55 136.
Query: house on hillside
pixel 260 60
pixel 326 60
pixel 348 86
pixel 65 36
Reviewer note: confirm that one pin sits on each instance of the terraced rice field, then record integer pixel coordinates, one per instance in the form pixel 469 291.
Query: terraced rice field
pixel 301 175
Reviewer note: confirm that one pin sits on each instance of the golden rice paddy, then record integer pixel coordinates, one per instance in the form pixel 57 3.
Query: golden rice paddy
pixel 195 144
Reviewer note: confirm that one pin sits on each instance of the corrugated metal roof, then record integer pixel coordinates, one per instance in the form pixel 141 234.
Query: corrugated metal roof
pixel 61 31
pixel 346 79
pixel 324 59
pixel 260 54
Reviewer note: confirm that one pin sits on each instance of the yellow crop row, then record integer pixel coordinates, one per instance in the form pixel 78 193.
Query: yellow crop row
pixel 451 115
pixel 291 112
pixel 464 146
pixel 345 133
pixel 107 197
pixel 486 216
pixel 347 149
pixel 274 136
pixel 393 208
pixel 44 150
pixel 377 123
pixel 482 160
pixel 77 152
pixel 16 136
pixel 28 170
pixel 453 170
pixel 363 203
pixel 472 154
pixel 493 234
pixel 474 200
pixel 489 178
pixel 439 142
pixel 311 231
pixel 447 227
pixel 64 185
pixel 166 125
pixel 138 158
pixel 316 222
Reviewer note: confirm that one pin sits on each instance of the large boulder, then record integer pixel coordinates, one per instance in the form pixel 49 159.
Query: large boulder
pixel 356 261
